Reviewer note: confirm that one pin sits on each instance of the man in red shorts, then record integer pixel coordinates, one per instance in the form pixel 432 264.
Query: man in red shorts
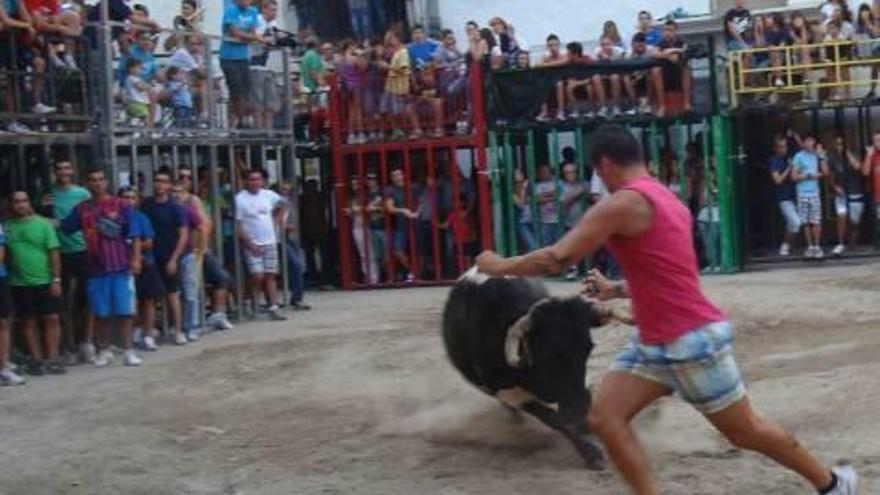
pixel 684 343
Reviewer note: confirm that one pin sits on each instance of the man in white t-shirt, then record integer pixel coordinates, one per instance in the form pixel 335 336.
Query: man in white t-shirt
pixel 258 213
pixel 608 52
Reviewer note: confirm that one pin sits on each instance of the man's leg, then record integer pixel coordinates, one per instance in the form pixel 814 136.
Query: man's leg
pixel 176 313
pixel 620 397
pixel 102 333
pixel 52 326
pixel 190 294
pixel 33 340
pixel 659 90
pixel 745 429
pixel 686 83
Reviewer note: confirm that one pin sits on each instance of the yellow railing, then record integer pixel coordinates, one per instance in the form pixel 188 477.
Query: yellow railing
pixel 793 64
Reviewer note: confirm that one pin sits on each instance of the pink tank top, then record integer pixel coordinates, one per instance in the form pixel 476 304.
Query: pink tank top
pixel 660 267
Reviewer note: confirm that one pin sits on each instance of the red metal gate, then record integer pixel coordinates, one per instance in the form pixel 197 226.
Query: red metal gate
pixel 407 214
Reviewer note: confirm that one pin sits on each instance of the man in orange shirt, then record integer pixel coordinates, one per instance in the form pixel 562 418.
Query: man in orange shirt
pixel 870 168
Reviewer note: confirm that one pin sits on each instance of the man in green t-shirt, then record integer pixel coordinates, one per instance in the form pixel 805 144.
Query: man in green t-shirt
pixel 312 69
pixel 76 332
pixel 35 279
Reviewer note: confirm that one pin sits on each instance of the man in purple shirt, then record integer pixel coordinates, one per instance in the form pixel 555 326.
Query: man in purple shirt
pixel 113 251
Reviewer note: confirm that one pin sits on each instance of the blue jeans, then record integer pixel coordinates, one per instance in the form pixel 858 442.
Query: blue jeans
pixel 295 268
pixel 189 296
pixel 525 235
pixel 550 233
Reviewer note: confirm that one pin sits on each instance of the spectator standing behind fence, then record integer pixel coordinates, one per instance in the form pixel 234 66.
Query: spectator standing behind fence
pixel 802 36
pixel 357 212
pixel 396 205
pixel 809 168
pixel 265 96
pixel 35 280
pixel 179 97
pixel 553 58
pixel 547 195
pixel 396 102
pixel 781 170
pixel 61 200
pixel 57 28
pixel 296 265
pixel 353 72
pixel 257 214
pixel 32 50
pixel 738 27
pixel 191 261
pixel 846 174
pixel 871 167
pixel 452 80
pixel 575 55
pixel 239 29
pixel 839 33
pixel 8 376
pixel 574 194
pixel 113 246
pixel 148 283
pixel 421 48
pixel 169 220
pixel 525 228
pixel 14 20
pixel 376 210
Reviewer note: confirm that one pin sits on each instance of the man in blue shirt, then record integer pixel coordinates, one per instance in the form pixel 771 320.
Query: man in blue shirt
pixel 781 170
pixel 809 167
pixel 239 30
pixel 653 34
pixel 7 375
pixel 422 48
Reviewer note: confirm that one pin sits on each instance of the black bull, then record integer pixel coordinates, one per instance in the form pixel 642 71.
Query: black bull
pixel 509 338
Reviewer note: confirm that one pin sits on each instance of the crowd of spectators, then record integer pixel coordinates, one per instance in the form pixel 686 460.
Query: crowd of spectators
pixel 802 168
pixel 848 36
pixel 81 262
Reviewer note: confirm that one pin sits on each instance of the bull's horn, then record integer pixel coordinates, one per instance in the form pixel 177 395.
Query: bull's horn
pixel 612 312
pixel 514 345
pixel 474 275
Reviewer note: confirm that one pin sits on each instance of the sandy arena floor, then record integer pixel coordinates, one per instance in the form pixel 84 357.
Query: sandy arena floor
pixel 357 397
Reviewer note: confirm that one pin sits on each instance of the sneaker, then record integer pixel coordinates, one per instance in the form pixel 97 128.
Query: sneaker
pixel 602 113
pixel 847 481
pixel 779 83
pixel 129 358
pixel 615 111
pixel 87 352
pixel 10 378
pixel 219 321
pixel 104 358
pixel 70 61
pixel 590 115
pixel 275 314
pixel 300 306
pixel 818 253
pixel 560 115
pixel 17 128
pixel 180 339
pixel 784 249
pixel 55 367
pixel 149 344
pixel 543 118
pixel 42 109
pixel 810 252
pixel 137 335
pixel 192 335
pixel 36 368
pixel 838 250
pixel 632 112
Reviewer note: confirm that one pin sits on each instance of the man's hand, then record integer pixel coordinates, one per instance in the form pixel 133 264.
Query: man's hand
pixel 599 287
pixel 171 268
pixel 136 266
pixel 254 249
pixel 490 263
pixel 55 288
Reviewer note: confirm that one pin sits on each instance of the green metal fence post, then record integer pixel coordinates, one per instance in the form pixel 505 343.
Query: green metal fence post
pixel 557 174
pixel 510 166
pixel 533 179
pixel 495 180
pixel 711 237
pixel 654 148
pixel 681 151
pixel 721 141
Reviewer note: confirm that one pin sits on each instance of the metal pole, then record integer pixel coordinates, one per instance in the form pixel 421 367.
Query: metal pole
pixel 107 131
pixel 435 220
pixel 505 179
pixel 239 276
pixel 510 245
pixel 533 180
pixel 495 180
pixel 479 133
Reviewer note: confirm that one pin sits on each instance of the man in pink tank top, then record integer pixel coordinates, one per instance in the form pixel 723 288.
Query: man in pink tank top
pixel 684 343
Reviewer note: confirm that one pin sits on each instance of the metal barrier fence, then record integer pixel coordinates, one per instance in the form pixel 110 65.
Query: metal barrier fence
pixel 791 68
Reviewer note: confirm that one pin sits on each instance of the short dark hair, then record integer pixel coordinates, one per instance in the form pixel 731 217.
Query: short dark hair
pixel 141 8
pixel 472 23
pixel 191 3
pixel 417 27
pixel 258 170
pixel 552 37
pixel 132 63
pixel 670 23
pixel 645 12
pixel 163 171
pixel 639 38
pixel 94 171
pixel 575 48
pixel 125 190
pixel 446 32
pixel 615 143
pixel 172 71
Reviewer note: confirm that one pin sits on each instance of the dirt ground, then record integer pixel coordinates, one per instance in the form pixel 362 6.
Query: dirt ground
pixel 358 397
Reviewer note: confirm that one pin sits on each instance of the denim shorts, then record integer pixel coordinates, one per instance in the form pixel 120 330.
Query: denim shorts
pixel 112 295
pixel 699 366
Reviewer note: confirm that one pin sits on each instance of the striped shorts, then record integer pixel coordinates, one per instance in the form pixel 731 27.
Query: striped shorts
pixel 264 262
pixel 810 209
pixel 699 366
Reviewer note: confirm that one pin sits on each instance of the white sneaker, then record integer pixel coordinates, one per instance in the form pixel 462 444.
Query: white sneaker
pixel 87 352
pixel 180 339
pixel 192 335
pixel 137 335
pixel 784 249
pixel 17 128
pixel 149 344
pixel 818 253
pixel 129 358
pixel 847 481
pixel 602 113
pixel 9 378
pixel 219 321
pixel 810 253
pixel 42 109
pixel 70 61
pixel 104 358
pixel 838 250
pixel 560 115
pixel 615 111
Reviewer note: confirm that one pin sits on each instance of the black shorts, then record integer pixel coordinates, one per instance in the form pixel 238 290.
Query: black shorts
pixel 171 284
pixel 149 284
pixel 238 77
pixel 5 303
pixel 215 275
pixel 35 302
pixel 672 77
pixel 74 273
pixel 640 82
